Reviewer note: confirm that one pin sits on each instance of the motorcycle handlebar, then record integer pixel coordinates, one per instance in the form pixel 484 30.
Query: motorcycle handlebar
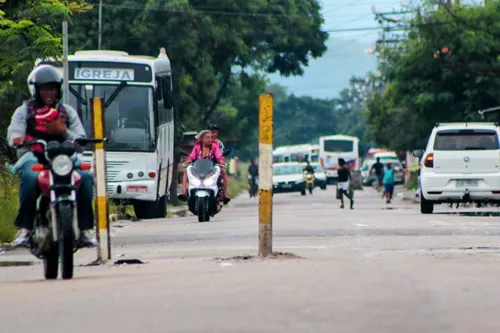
pixel 80 141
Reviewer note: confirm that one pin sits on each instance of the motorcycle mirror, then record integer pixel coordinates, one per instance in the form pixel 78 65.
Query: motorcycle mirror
pixel 227 152
pixel 183 153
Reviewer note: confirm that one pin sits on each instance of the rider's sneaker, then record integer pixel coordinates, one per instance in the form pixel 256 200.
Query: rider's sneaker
pixel 22 238
pixel 226 200
pixel 88 239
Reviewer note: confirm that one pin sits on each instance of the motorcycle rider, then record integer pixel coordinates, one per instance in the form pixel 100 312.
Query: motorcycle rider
pixel 205 148
pixel 253 173
pixel 25 125
pixel 214 130
pixel 308 169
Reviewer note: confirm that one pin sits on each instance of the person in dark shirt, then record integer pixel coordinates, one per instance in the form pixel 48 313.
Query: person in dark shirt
pixel 344 179
pixel 309 168
pixel 253 170
pixel 378 167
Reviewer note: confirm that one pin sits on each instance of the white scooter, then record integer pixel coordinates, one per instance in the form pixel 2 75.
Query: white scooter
pixel 204 182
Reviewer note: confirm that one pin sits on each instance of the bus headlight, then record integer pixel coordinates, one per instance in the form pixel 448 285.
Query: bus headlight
pixel 62 165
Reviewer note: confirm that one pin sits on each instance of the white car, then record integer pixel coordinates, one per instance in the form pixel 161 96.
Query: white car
pixel 288 177
pixel 460 164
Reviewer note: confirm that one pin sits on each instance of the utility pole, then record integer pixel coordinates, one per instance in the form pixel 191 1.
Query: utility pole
pixel 65 63
pixel 389 22
pixel 99 41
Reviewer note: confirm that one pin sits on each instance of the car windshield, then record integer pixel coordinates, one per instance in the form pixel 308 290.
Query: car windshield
pixel 466 140
pixel 280 170
pixel 128 115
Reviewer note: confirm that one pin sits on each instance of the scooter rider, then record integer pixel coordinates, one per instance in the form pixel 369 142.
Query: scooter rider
pixel 214 129
pixel 47 84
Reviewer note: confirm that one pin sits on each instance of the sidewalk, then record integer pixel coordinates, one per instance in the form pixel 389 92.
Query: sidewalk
pixel 409 195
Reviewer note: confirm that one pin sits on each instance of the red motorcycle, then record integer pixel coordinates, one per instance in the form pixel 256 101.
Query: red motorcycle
pixel 56 235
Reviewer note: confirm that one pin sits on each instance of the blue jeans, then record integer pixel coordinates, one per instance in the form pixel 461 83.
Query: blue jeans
pixel 29 192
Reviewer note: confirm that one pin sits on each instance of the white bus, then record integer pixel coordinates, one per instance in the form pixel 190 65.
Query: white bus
pixel 138 121
pixel 333 147
pixel 296 153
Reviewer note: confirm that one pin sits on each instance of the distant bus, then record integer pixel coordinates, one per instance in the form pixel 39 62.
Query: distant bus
pixel 333 147
pixel 296 153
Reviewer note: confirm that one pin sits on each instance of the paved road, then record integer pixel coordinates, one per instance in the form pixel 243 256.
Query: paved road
pixel 377 268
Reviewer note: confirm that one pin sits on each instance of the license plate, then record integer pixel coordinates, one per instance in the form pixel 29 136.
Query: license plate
pixel 287 186
pixel 137 189
pixel 467 182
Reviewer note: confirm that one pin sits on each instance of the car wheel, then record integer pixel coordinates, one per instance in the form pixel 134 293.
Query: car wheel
pixel 426 206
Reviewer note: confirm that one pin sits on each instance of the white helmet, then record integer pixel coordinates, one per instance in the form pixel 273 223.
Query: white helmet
pixel 31 85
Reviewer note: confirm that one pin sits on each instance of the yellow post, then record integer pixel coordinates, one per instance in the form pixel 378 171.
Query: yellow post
pixel 101 202
pixel 265 174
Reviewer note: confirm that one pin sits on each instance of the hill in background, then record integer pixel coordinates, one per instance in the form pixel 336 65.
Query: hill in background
pixel 327 76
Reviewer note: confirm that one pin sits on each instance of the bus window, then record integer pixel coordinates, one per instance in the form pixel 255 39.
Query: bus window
pixel 314 158
pixel 287 159
pixel 338 146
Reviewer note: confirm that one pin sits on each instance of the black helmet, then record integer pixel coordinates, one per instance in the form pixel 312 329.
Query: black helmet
pixel 46 75
pixel 213 127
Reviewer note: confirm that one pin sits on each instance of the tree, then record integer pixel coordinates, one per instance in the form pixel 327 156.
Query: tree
pixel 30 29
pixel 424 88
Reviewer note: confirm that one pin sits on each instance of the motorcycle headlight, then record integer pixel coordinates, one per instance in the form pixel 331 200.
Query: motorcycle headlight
pixel 195 181
pixel 209 181
pixel 62 165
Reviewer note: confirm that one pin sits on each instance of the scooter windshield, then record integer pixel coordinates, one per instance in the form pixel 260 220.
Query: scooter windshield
pixel 203 167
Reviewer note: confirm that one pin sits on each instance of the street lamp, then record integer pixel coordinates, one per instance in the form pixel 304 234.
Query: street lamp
pixel 482 112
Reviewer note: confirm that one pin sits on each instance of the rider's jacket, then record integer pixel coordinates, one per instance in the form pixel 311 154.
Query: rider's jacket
pixel 21 122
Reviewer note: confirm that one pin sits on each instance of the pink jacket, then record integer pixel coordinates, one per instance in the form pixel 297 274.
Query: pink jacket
pixel 215 151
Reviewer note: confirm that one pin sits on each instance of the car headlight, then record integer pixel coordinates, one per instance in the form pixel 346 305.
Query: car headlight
pixel 62 165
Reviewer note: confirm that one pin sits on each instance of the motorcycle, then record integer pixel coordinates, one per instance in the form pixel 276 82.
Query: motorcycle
pixel 309 179
pixel 204 183
pixel 56 235
pixel 253 186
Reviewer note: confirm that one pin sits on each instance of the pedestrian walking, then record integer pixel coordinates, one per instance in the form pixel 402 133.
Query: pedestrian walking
pixel 344 187
pixel 389 183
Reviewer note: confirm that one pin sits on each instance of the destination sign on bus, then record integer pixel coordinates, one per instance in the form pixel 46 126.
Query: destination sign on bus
pixel 105 74
pixel 109 71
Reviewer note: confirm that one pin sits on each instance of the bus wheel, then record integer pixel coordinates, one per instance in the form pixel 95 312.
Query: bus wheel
pixel 145 210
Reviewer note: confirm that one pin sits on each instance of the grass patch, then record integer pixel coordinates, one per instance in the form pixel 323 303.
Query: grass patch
pixel 8 207
pixel 9 204
pixel 235 186
pixel 413 181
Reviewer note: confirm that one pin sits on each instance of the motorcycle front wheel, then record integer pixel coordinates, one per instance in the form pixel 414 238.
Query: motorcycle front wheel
pixel 66 238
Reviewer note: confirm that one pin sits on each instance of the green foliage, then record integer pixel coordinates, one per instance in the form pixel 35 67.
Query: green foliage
pixel 29 30
pixel 423 90
pixel 213 47
pixel 8 204
pixel 304 119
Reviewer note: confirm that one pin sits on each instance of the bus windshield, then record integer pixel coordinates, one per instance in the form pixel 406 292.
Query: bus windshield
pixel 338 146
pixel 128 119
